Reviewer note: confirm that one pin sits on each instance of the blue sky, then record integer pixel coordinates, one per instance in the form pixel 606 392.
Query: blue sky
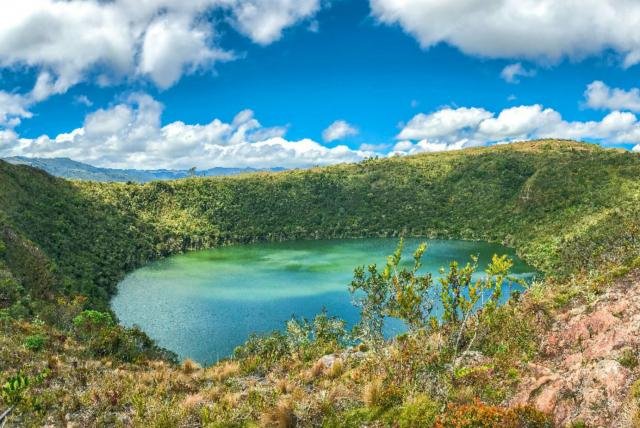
pixel 390 73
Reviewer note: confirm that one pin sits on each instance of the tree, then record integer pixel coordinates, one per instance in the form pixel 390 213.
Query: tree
pixel 461 298
pixel 403 293
pixel 395 292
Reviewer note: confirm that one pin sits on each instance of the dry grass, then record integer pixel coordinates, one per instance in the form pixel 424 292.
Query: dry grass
pixel 281 416
pixel 284 386
pixel 317 369
pixel 373 392
pixel 223 371
pixel 337 368
pixel 189 366
pixel 192 401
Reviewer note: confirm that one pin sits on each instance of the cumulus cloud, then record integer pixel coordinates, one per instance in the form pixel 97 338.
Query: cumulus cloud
pixel 444 124
pixel 636 148
pixel 130 135
pixel 600 96
pixel 172 44
pixel 512 73
pixel 264 21
pixel 162 39
pixel 13 108
pixel 339 130
pixel 538 30
pixel 451 129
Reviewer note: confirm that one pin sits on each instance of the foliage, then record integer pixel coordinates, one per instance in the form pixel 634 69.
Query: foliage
pixel 103 337
pixel 13 389
pixel 324 334
pixel 90 323
pixel 34 342
pixel 403 293
pixel 420 412
pixel 478 415
pixel 461 297
pixel 394 292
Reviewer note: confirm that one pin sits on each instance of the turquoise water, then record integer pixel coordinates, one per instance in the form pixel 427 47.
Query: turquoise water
pixel 203 304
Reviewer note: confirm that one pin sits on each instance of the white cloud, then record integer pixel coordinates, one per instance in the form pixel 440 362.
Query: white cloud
pixel 367 147
pixel 443 123
pixel 70 41
pixel 538 30
pixel 466 127
pixel 512 73
pixel 130 135
pixel 173 43
pixel 13 108
pixel 518 122
pixel 600 96
pixel 636 148
pixel 264 20
pixel 83 100
pixel 339 130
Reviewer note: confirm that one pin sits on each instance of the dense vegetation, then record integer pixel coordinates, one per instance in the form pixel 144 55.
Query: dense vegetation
pixel 570 209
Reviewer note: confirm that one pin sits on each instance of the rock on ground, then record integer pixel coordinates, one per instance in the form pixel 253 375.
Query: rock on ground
pixel 587 362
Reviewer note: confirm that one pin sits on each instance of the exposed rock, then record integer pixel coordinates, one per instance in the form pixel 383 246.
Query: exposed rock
pixel 327 361
pixel 470 358
pixel 580 376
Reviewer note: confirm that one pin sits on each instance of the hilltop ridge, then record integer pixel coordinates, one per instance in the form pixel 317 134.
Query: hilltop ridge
pixel 74 170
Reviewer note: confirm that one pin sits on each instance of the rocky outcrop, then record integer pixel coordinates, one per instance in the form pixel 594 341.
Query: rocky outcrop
pixel 589 360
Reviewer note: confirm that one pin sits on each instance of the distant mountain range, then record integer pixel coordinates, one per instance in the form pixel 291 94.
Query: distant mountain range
pixel 68 168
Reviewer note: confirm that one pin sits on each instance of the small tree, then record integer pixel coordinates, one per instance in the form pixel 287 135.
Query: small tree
pixel 461 297
pixel 405 294
pixel 394 292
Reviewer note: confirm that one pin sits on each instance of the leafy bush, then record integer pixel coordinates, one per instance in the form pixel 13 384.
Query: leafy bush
pixel 91 323
pixel 103 337
pixel 420 412
pixel 13 389
pixel 10 290
pixel 404 294
pixel 34 342
pixel 394 292
pixel 324 334
pixel 479 415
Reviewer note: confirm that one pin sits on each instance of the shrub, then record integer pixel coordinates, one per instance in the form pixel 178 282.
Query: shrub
pixel 103 337
pixel 380 394
pixel 280 416
pixel 420 412
pixel 90 323
pixel 309 340
pixel 223 370
pixel 10 291
pixel 479 415
pixel 394 292
pixel 402 293
pixel 189 366
pixel 34 342
pixel 13 389
pixel 260 352
pixel 628 359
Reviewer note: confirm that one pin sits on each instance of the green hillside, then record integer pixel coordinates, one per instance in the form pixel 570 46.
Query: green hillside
pixel 570 209
pixel 547 199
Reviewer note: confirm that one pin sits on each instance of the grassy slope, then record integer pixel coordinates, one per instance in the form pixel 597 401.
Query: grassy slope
pixel 566 207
